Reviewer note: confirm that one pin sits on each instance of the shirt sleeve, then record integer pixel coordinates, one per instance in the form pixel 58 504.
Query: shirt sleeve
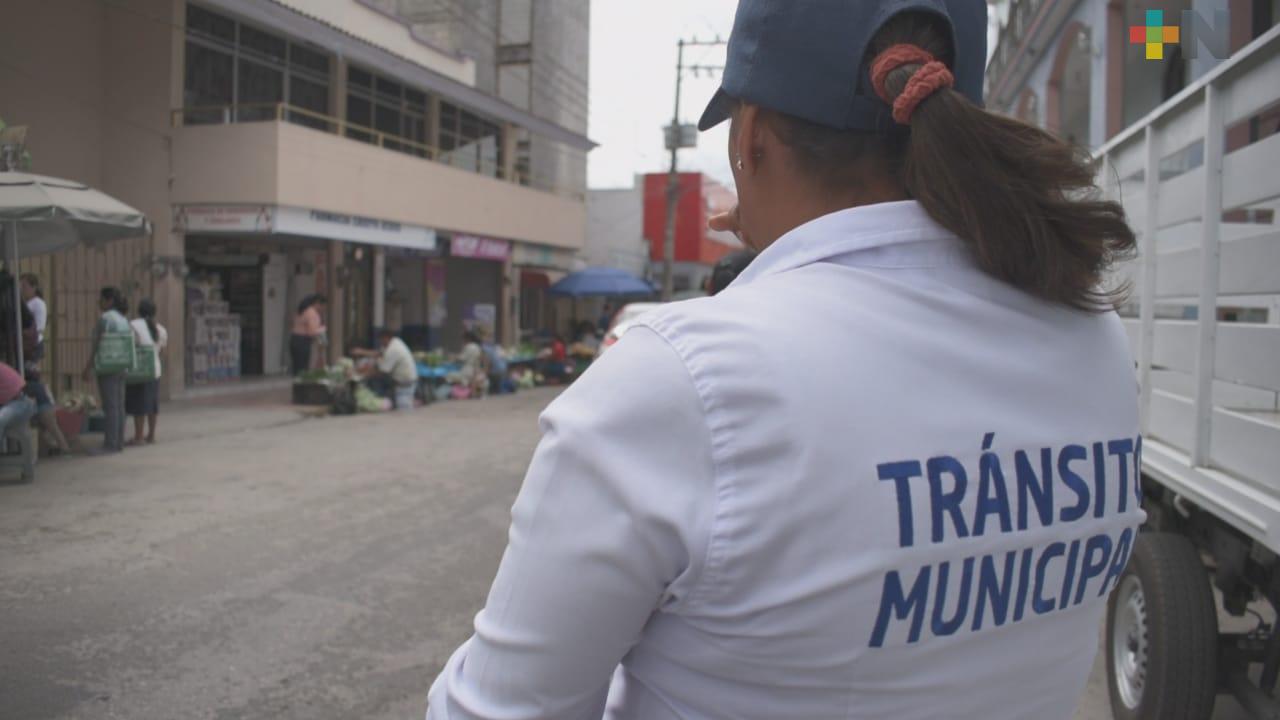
pixel 610 526
pixel 40 312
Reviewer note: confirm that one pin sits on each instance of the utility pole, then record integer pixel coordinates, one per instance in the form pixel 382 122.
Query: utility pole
pixel 673 185
pixel 675 140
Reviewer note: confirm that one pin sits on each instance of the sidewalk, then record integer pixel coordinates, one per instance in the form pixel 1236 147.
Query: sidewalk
pixel 203 417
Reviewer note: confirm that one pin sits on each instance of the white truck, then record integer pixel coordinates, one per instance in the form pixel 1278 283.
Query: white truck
pixel 1200 179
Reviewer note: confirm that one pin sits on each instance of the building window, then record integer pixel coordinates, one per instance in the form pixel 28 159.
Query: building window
pixel 210 84
pixel 469 141
pixel 259 89
pixel 383 111
pixel 238 72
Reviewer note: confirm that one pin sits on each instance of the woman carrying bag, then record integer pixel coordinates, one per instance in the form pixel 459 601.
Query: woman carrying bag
pixel 112 357
pixel 142 395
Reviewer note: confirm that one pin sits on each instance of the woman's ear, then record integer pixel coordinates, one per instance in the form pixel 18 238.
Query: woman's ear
pixel 745 139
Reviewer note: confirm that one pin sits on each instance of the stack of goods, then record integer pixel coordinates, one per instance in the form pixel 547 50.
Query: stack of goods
pixel 213 351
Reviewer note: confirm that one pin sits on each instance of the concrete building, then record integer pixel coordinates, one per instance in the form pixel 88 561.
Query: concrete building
pixel 280 148
pixel 615 229
pixel 1071 66
pixel 534 56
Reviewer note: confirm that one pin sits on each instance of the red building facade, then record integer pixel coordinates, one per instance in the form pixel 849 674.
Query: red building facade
pixel 700 198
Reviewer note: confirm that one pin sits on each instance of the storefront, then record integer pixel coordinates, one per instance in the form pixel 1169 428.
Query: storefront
pixel 535 269
pixel 250 266
pixel 414 296
pixel 474 280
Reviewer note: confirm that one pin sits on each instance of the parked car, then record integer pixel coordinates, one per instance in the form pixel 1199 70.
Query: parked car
pixel 623 320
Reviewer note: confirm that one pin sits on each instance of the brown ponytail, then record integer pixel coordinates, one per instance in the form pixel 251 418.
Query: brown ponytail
pixel 1024 201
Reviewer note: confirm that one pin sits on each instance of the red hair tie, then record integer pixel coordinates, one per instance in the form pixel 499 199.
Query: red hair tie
pixel 932 76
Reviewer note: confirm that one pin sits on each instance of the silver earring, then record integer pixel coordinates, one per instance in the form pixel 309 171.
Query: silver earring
pixel 739 162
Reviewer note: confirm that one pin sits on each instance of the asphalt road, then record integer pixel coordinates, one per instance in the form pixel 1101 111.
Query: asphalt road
pixel 319 569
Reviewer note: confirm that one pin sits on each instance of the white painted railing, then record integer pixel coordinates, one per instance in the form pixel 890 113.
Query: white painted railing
pixel 1210 385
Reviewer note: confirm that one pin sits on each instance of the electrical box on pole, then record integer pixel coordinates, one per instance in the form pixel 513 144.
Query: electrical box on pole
pixel 679 137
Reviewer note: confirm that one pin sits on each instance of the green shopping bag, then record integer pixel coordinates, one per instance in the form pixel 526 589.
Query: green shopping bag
pixel 115 353
pixel 144 366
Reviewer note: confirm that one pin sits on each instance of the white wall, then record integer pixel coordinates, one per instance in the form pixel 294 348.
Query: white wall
pixel 615 229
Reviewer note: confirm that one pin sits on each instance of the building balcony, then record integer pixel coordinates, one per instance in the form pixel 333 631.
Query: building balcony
pixel 276 154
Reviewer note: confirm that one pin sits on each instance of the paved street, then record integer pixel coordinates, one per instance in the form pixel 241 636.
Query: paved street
pixel 281 568
pixel 318 569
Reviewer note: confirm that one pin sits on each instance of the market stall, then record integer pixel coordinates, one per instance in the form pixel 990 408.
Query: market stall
pixel 597 282
pixel 41 215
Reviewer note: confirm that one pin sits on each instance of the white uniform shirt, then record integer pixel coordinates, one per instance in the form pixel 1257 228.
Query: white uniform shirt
pixel 866 481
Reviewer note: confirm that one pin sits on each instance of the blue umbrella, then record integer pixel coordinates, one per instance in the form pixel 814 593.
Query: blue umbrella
pixel 601 282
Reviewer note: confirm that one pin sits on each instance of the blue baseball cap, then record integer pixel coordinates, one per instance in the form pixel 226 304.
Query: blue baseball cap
pixel 805 58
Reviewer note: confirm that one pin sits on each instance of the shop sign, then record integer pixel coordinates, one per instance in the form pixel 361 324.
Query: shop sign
pixel 480 248
pixel 353 228
pixel 527 255
pixel 224 218
pixel 269 219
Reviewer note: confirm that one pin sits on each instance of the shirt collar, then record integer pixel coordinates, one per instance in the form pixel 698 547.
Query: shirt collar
pixel 843 232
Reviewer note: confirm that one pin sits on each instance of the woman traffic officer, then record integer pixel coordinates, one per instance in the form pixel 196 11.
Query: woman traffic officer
pixel 891 471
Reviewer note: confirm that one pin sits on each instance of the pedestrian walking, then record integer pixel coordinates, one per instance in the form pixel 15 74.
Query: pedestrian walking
pixel 893 473
pixel 142 398
pixel 108 364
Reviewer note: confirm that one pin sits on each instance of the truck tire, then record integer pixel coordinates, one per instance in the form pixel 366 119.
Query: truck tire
pixel 1162 634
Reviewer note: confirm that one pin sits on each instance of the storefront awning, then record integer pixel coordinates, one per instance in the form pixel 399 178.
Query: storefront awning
pixel 303 222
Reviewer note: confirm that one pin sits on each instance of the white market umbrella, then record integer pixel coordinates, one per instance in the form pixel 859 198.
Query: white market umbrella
pixel 40 215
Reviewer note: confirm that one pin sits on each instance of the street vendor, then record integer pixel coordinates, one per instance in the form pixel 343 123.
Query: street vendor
pixel 394 361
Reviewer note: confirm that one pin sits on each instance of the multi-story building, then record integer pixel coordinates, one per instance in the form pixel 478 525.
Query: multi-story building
pixel 1086 69
pixel 1079 67
pixel 288 147
pixel 534 56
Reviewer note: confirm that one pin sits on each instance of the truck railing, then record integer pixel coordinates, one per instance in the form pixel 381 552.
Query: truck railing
pixel 1200 180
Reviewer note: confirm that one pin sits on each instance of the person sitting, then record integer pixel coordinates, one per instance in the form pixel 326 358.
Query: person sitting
pixel 16 409
pixel 395 363
pixel 474 374
pixel 496 360
pixel 553 361
pixel 587 340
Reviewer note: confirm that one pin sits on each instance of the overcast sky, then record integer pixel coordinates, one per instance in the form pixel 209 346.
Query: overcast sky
pixel 632 84
pixel 633 61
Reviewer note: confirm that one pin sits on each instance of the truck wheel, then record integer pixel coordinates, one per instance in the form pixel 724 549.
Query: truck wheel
pixel 1162 634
